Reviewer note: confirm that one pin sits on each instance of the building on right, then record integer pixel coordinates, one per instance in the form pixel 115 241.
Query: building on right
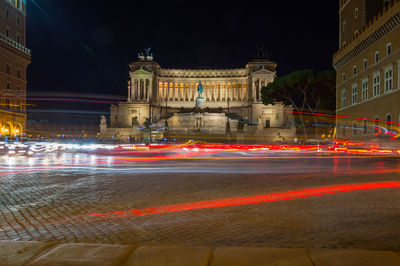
pixel 368 67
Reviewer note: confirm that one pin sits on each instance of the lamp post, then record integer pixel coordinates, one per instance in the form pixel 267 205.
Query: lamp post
pixel 166 108
pixel 228 128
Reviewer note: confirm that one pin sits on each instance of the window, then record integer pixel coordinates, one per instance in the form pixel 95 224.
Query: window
pixel 365 128
pixel 7 104
pixel 343 98
pixel 343 130
pixel 354 128
pixel 389 78
pixel 8 86
pixel 376 56
pixel 355 13
pixel 18 21
pixel 7 13
pixel 7 33
pixel 365 63
pixel 354 93
pixel 18 3
pixel 344 25
pixel 376 122
pixel 398 76
pixel 135 121
pixel 18 73
pixel 365 89
pixel 389 121
pixel 386 3
pixel 377 83
pixel 8 69
pixel 389 49
pixel 354 70
pixel 343 76
pixel 18 40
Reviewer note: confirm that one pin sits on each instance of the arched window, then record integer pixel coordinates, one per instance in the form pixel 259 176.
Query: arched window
pixel 365 127
pixel 354 128
pixel 389 121
pixel 376 123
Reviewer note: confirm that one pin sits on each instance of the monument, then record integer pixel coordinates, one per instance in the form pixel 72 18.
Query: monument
pixel 186 103
pixel 200 99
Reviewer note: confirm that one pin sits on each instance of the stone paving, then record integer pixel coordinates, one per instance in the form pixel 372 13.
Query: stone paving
pixel 51 206
pixel 36 253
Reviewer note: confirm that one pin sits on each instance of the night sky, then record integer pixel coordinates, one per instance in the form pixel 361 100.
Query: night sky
pixel 82 47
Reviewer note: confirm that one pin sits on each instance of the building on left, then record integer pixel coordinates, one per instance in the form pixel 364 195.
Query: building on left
pixel 14 60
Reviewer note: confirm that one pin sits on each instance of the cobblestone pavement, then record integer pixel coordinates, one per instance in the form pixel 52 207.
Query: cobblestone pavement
pixel 50 198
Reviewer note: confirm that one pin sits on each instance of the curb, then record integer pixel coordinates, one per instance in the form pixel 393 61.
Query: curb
pixel 38 253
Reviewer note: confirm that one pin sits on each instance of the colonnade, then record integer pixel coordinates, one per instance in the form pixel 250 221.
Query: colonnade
pixel 214 92
pixel 141 90
pixel 258 84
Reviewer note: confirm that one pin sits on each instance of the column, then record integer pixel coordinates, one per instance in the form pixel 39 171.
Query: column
pixel 173 91
pixel 190 92
pixel 182 91
pixel 150 89
pixel 224 91
pixel 129 91
pixel 136 89
pixel 214 90
pixel 131 95
pixel 254 90
pixel 244 91
pixel 239 91
pixel 259 88
pixel 165 91
pixel 139 95
pixel 160 90
pixel 141 89
pixel 146 90
pixel 218 92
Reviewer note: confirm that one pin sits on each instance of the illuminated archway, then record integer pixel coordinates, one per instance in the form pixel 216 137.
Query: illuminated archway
pixel 389 120
pixel 18 130
pixel 6 130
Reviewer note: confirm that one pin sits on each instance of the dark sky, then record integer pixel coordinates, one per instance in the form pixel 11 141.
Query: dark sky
pixel 85 46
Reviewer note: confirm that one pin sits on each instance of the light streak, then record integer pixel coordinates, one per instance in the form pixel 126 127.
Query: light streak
pixel 280 196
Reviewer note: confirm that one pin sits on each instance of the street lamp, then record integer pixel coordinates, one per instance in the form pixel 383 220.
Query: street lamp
pixel 228 128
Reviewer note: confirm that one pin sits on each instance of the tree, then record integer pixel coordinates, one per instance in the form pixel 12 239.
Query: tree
pixel 305 90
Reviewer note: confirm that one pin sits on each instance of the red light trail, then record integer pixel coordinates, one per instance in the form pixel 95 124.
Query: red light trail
pixel 295 194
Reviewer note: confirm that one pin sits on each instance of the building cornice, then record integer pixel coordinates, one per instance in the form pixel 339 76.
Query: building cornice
pixel 203 73
pixel 14 54
pixel 372 32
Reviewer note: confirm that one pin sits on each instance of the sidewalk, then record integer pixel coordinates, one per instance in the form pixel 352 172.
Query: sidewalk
pixel 37 253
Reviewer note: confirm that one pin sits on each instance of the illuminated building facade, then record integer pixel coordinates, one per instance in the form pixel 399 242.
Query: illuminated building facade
pixel 367 65
pixel 232 96
pixel 14 59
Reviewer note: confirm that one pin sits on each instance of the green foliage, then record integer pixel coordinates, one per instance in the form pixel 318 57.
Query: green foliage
pixel 304 89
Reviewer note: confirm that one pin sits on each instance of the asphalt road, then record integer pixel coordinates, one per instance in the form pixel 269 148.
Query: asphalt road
pixel 203 198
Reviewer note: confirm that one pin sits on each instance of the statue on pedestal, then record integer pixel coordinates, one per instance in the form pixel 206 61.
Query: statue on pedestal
pixel 200 99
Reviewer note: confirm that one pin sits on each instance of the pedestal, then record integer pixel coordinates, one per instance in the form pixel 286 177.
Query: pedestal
pixel 200 102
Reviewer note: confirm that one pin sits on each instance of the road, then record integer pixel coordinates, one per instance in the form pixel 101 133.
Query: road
pixel 203 197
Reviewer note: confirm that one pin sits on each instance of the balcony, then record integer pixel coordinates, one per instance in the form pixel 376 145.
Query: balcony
pixel 14 44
